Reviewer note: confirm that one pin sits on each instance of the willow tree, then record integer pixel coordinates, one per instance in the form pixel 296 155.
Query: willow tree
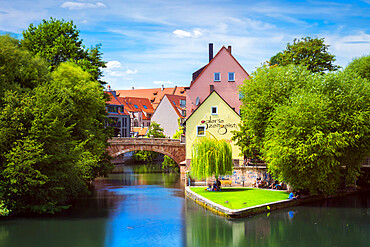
pixel 211 157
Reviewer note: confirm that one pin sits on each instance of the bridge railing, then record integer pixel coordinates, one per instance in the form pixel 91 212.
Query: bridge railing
pixel 145 139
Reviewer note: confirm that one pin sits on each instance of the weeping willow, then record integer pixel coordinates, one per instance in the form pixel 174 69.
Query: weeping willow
pixel 210 157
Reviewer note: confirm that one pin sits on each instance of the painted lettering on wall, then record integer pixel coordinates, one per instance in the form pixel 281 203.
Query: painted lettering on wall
pixel 219 124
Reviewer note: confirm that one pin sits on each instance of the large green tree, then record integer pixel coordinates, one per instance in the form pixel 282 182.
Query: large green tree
pixel 52 135
pixel 58 41
pixel 310 52
pixel 360 66
pixel 311 129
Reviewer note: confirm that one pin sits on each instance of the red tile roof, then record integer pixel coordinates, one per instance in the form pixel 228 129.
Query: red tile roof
pixel 133 104
pixel 175 102
pixel 140 131
pixel 115 101
pixel 155 95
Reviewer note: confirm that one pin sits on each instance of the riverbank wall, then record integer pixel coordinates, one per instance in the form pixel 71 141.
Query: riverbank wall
pixel 246 212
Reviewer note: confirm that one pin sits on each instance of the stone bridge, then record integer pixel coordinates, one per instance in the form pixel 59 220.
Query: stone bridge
pixel 170 147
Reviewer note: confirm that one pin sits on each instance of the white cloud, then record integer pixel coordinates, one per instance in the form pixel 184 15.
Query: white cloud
pixel 163 82
pixel 115 69
pixel 185 34
pixel 130 72
pixel 113 64
pixel 79 5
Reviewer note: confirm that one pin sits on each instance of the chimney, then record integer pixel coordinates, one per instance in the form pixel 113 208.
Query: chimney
pixel 162 87
pixel 133 88
pixel 174 90
pixel 210 46
pixel 229 48
pixel 211 88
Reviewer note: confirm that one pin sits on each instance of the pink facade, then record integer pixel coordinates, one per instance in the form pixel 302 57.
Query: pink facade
pixel 223 63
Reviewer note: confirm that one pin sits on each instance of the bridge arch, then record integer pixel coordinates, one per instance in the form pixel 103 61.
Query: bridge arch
pixel 170 147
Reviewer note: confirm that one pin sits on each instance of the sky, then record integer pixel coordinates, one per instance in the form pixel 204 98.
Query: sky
pixel 149 43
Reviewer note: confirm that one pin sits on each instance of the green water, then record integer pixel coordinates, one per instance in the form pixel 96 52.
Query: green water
pixel 149 209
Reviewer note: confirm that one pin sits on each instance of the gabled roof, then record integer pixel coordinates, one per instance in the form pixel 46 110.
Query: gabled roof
pixel 115 101
pixel 155 95
pixel 215 57
pixel 134 104
pixel 175 102
pixel 206 100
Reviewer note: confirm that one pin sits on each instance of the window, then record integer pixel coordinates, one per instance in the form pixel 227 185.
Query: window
pixel 174 102
pixel 217 76
pixel 145 106
pixel 182 102
pixel 231 76
pixel 136 107
pixel 214 110
pixel 201 130
pixel 241 95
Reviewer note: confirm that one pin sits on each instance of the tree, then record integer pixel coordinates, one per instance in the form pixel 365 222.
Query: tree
pixel 154 131
pixel 52 132
pixel 361 66
pixel 58 41
pixel 168 162
pixel 211 157
pixel 309 52
pixel 313 129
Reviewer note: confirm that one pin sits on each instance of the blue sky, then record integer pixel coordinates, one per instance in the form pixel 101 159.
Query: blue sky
pixel 150 43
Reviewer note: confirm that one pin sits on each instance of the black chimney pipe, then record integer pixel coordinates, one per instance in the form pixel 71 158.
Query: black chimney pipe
pixel 210 51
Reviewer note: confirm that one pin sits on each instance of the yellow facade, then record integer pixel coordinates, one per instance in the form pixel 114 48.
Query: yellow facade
pixel 217 118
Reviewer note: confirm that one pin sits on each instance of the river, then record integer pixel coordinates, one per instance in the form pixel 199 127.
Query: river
pixel 149 209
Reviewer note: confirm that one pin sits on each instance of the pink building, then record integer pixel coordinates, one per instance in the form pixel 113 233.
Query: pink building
pixel 223 73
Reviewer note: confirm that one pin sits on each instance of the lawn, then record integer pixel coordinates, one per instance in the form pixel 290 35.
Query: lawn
pixel 237 198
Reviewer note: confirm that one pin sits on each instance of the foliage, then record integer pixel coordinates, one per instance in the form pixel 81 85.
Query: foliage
pixel 155 131
pixel 58 41
pixel 19 70
pixel 309 52
pixel 52 135
pixel 211 157
pixel 311 129
pixel 361 66
pixel 168 162
pixel 238 198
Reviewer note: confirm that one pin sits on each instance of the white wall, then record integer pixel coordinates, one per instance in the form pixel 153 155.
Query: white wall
pixel 167 117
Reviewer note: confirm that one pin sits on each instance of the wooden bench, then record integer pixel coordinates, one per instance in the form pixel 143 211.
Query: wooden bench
pixel 226 182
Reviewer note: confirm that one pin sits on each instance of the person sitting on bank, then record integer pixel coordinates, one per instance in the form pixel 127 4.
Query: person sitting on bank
pixel 272 186
pixel 217 185
pixel 291 195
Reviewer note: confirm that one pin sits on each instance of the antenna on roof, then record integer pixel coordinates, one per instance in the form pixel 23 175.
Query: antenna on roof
pixel 197 101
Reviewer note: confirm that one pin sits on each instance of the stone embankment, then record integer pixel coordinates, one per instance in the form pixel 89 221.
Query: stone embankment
pixel 245 212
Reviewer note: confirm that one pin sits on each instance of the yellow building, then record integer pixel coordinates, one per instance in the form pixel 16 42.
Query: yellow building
pixel 213 117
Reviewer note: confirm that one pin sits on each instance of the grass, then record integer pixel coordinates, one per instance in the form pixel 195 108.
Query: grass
pixel 237 198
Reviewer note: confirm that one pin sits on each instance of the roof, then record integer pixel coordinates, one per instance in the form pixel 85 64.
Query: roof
pixel 140 131
pixel 134 104
pixel 155 95
pixel 115 101
pixel 175 102
pixel 205 67
pixel 214 91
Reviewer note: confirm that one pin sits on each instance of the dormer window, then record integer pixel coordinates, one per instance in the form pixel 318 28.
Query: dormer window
pixel 231 76
pixel 136 107
pixel 217 76
pixel 214 110
pixel 145 106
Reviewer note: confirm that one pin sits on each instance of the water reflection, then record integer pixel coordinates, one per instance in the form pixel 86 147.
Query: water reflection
pixel 335 222
pixel 150 210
